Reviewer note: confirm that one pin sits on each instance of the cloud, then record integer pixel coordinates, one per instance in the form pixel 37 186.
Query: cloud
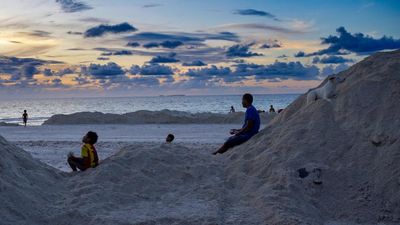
pixel 253 12
pixel 103 29
pixel 263 27
pixel 36 33
pixel 151 5
pixel 99 71
pixel 240 51
pixel 22 68
pixel 164 44
pixel 151 45
pixel 103 58
pixel 71 6
pixel 94 20
pixel 300 54
pixel 74 33
pixel 277 70
pixel 133 44
pixel 122 52
pixel 194 63
pixel 171 44
pixel 358 43
pixel 186 38
pixel 152 69
pixel 271 44
pixel 329 70
pixel 165 59
pixel 332 59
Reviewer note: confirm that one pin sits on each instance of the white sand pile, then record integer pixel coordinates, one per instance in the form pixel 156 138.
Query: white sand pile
pixel 141 184
pixel 150 117
pixel 28 188
pixel 4 124
pixel 354 140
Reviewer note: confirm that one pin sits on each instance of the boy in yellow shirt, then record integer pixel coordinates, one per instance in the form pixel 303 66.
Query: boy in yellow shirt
pixel 89 157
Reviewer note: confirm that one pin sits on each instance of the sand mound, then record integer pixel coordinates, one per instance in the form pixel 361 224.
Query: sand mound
pixel 150 117
pixel 4 124
pixel 354 141
pixel 27 187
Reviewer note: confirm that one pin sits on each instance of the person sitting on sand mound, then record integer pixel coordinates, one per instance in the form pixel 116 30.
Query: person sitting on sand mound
pixel 250 127
pixel 89 157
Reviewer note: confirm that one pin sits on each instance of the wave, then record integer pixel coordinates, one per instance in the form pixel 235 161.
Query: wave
pixel 151 117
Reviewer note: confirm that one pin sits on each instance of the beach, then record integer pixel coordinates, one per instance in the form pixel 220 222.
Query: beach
pixel 51 144
pixel 331 160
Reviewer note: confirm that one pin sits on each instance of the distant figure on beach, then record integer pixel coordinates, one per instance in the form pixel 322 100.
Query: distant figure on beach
pixel 271 109
pixel 249 129
pixel 232 110
pixel 170 138
pixel 25 118
pixel 89 158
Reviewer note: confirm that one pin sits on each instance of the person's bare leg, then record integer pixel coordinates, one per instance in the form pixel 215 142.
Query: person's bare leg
pixel 221 150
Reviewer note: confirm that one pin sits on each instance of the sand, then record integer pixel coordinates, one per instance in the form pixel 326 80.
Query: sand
pixel 353 140
pixel 151 117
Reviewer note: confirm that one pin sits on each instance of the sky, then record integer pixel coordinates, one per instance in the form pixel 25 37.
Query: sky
pixel 101 48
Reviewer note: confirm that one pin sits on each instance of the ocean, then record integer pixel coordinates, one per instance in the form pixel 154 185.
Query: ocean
pixel 40 110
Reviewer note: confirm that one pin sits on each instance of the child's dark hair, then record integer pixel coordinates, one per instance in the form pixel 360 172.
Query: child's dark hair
pixel 170 137
pixel 92 136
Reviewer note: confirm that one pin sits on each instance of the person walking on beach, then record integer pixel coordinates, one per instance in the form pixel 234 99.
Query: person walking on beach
pixel 249 129
pixel 89 158
pixel 232 109
pixel 25 118
pixel 271 109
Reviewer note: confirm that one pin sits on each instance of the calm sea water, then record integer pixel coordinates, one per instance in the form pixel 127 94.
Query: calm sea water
pixel 41 109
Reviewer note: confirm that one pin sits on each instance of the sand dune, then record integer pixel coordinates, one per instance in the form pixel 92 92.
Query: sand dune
pixel 352 140
pixel 151 117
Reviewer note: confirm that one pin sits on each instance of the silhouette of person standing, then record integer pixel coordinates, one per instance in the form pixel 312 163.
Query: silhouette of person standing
pixel 25 117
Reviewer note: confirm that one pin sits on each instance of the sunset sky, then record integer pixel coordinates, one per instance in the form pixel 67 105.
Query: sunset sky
pixel 65 48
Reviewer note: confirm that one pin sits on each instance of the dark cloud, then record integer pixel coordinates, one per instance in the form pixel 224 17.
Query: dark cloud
pixel 165 59
pixel 164 44
pixel 332 59
pixel 171 44
pixel 103 29
pixel 253 12
pixel 103 58
pixel 358 43
pixel 274 44
pixel 151 45
pixel 99 71
pixel 22 68
pixel 122 52
pixel 240 51
pixel 151 5
pixel 300 54
pixel 71 6
pixel 74 33
pixel 151 69
pixel 195 39
pixel 277 70
pixel 195 63
pixel 133 44
pixel 48 72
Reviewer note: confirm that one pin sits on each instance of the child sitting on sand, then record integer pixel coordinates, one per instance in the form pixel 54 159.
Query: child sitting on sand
pixel 89 157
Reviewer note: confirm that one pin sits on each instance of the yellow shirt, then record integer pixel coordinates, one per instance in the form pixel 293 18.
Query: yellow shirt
pixel 88 150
